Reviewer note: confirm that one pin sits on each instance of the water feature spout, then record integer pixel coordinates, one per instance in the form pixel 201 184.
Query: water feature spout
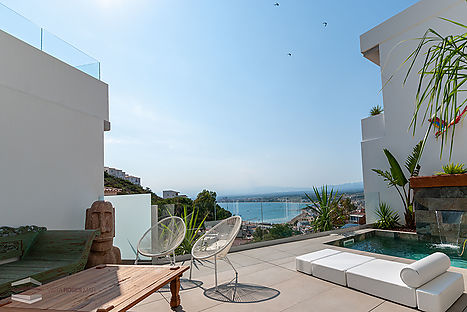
pixel 449 225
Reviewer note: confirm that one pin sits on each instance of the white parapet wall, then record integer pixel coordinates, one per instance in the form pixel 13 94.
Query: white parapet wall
pixel 132 219
pixel 52 148
pixel 388 45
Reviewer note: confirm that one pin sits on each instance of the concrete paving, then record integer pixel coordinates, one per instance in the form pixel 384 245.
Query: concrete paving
pixel 277 285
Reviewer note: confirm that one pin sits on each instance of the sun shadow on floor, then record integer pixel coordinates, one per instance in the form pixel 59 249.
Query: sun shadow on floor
pixel 241 293
pixel 185 284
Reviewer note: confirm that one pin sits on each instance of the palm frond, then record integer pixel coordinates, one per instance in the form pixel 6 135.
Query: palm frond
pixel 396 170
pixel 442 77
pixel 413 159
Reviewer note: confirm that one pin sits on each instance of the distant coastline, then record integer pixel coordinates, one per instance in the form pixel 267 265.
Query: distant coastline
pixel 289 195
pixel 296 197
pixel 262 201
pixel 265 212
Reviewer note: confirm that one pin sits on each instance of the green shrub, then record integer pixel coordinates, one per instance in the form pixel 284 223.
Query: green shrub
pixel 276 231
pixel 259 234
pixel 388 219
pixel 281 231
pixel 452 168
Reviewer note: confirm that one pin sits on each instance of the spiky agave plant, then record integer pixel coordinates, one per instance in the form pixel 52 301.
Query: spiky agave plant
pixel 192 230
pixel 325 208
pixel 452 168
pixel 376 110
pixel 387 218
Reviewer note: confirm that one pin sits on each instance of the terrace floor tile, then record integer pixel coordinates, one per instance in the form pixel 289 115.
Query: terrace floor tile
pixel 273 268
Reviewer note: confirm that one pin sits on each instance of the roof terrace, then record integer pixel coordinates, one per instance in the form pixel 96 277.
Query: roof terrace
pixel 268 281
pixel 17 25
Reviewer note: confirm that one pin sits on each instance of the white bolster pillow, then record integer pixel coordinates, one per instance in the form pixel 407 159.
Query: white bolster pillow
pixel 424 270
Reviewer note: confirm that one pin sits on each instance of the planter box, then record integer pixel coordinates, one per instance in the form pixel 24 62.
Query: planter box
pixel 439 181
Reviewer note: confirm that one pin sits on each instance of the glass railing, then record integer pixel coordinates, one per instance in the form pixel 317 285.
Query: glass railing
pixel 20 27
pixel 270 220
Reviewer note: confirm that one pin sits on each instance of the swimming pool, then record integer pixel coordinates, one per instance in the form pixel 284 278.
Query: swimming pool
pixel 398 246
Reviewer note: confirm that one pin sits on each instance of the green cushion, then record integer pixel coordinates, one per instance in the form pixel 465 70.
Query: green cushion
pixel 53 254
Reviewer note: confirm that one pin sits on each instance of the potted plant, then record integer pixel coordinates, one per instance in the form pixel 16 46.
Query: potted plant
pixel 376 110
pixel 452 175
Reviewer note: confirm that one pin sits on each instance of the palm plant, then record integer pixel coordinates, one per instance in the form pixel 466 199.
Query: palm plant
pixel 396 178
pixel 387 218
pixel 192 230
pixel 376 110
pixel 325 208
pixel 442 76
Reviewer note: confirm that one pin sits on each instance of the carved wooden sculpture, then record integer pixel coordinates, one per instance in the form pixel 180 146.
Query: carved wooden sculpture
pixel 101 216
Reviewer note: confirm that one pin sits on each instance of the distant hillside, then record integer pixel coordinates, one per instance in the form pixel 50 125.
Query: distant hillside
pixel 128 188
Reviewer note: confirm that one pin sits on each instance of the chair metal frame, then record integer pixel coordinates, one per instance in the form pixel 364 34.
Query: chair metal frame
pixel 215 255
pixel 169 251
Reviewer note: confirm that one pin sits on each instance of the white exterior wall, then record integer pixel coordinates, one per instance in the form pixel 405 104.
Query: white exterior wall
pixel 399 100
pixel 51 143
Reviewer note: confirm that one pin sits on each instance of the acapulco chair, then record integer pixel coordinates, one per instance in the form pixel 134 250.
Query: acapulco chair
pixel 162 239
pixel 216 243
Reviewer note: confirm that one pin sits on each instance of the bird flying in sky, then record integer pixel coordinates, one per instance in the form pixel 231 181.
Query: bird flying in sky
pixel 325 24
pixel 276 4
pixel 289 54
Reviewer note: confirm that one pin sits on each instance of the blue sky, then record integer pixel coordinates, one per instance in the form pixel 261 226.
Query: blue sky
pixel 203 94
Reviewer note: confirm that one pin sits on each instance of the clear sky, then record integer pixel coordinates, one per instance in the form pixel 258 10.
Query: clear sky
pixel 203 94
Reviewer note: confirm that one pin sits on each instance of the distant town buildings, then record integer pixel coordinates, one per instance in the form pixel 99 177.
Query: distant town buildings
pixel 171 194
pixel 358 216
pixel 111 190
pixel 132 179
pixel 122 175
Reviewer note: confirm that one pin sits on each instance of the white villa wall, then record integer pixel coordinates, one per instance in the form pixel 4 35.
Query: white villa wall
pixel 51 143
pixel 399 100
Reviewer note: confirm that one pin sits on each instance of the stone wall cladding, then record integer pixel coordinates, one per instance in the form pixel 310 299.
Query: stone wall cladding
pixel 428 200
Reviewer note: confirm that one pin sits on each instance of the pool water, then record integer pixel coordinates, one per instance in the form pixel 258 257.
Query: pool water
pixel 410 249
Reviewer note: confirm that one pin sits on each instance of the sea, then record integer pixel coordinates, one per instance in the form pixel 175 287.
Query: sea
pixel 272 212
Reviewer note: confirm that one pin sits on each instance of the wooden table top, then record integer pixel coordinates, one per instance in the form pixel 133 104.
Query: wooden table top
pixel 103 288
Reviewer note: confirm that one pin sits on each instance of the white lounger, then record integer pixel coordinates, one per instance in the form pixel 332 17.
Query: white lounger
pixel 334 268
pixel 303 263
pixel 439 294
pixel 432 288
pixel 381 278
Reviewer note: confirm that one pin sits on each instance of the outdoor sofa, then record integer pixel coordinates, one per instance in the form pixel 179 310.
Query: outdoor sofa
pixel 40 254
pixel 425 284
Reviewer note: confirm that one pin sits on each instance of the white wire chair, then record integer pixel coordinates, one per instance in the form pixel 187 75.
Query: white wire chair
pixel 162 239
pixel 216 243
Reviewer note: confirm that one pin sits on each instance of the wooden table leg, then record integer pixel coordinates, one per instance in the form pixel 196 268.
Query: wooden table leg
pixel 175 290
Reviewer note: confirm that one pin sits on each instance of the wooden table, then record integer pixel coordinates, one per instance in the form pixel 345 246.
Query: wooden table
pixel 105 288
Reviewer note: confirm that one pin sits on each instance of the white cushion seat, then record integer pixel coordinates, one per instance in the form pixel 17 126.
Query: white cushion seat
pixel 440 293
pixel 333 268
pixel 303 263
pixel 381 278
